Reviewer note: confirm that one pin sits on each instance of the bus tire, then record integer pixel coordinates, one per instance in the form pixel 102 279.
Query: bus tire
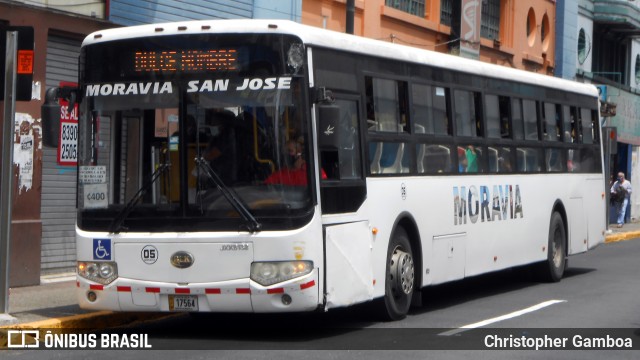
pixel 553 268
pixel 400 277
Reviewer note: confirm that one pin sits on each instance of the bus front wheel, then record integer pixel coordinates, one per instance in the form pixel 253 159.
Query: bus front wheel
pixel 400 277
pixel 553 268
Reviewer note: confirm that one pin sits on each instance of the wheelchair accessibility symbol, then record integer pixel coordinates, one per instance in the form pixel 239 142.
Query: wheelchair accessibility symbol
pixel 101 249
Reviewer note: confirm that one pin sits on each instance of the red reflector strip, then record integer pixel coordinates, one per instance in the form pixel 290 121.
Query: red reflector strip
pixel 243 291
pixel 212 291
pixel 96 287
pixel 183 291
pixel 124 288
pixel 152 290
pixel 307 285
pixel 275 291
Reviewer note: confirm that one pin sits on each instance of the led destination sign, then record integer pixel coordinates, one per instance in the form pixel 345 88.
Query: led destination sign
pixel 185 60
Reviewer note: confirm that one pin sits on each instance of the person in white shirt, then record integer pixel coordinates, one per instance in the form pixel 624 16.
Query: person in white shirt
pixel 621 192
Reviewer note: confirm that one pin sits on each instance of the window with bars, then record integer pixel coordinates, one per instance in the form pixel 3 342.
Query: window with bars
pixel 490 23
pixel 445 12
pixel 413 7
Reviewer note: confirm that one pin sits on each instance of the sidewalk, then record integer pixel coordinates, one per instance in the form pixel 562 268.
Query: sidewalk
pixel 52 304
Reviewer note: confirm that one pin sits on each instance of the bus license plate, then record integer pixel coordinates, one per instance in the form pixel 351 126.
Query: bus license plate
pixel 183 303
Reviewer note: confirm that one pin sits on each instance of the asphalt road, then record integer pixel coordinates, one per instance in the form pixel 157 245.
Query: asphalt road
pixel 599 297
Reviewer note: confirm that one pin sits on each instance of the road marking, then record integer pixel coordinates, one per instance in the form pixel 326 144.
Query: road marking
pixel 501 318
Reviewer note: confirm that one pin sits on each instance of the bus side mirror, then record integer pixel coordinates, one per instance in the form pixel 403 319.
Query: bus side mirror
pixel 51 119
pixel 329 121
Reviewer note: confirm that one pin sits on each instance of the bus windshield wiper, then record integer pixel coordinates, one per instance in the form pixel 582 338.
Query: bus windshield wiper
pixel 116 224
pixel 252 224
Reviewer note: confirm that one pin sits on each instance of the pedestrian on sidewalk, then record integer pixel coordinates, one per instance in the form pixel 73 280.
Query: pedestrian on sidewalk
pixel 620 193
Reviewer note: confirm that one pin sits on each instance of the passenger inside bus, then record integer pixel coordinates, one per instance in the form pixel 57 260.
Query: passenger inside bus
pixel 220 150
pixel 295 170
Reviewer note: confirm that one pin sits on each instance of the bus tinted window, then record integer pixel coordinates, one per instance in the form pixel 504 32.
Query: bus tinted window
pixel 551 125
pixel 500 159
pixel 575 125
pixel 566 124
pixel 497 112
pixel 530 114
pixel 471 159
pixel 386 105
pixel 430 114
pixel 389 158
pixel 434 159
pixel 468 113
pixel 516 117
pixel 587 126
pixel 529 159
pixel 555 160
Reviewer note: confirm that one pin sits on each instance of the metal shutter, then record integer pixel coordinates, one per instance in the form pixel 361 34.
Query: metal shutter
pixel 58 207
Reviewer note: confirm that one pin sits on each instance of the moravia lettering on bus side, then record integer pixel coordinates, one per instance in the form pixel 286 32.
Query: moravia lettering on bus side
pixel 502 203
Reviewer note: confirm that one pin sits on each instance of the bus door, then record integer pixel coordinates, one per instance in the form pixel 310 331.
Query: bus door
pixel 348 241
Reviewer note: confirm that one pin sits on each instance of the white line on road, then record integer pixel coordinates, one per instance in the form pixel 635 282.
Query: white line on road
pixel 500 318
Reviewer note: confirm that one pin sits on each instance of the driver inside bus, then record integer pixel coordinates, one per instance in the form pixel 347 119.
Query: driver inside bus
pixel 295 172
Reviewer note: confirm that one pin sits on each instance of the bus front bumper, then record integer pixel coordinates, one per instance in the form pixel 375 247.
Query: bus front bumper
pixel 243 295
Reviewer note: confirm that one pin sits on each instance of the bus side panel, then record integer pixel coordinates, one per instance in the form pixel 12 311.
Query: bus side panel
pixel 577 219
pixel 348 264
pixel 595 202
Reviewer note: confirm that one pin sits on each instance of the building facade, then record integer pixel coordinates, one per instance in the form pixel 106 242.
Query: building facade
pixel 517 34
pixel 600 45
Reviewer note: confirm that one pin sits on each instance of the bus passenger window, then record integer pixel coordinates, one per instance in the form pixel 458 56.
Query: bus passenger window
pixel 470 159
pixel 575 126
pixel 516 115
pixel 551 123
pixel 529 160
pixel 566 124
pixel 389 158
pixel 497 110
pixel 500 159
pixel 434 159
pixel 387 105
pixel 554 159
pixel 586 126
pixel 530 114
pixel 468 113
pixel 430 111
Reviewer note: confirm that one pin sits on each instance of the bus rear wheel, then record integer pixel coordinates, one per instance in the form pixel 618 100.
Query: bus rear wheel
pixel 553 268
pixel 400 277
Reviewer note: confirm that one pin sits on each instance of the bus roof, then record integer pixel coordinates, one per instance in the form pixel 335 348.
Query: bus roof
pixel 331 39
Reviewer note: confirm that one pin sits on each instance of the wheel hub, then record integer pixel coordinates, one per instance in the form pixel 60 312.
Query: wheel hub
pixel 402 272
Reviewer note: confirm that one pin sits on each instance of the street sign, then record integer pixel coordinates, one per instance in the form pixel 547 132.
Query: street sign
pixel 24 62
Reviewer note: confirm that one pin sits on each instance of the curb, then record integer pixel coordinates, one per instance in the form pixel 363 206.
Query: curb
pixel 622 236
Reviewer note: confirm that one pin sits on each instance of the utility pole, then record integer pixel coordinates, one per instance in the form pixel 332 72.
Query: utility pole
pixel 6 184
pixel 351 13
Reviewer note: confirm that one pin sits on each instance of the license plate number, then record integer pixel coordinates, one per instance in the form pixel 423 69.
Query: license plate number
pixel 183 303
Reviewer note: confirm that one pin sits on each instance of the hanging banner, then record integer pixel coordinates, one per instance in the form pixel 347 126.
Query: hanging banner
pixel 470 29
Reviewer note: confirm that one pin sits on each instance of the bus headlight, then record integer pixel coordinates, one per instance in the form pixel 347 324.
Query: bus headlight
pixel 101 272
pixel 272 272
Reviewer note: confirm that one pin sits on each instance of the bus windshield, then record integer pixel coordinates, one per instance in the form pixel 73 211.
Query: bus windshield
pixel 182 132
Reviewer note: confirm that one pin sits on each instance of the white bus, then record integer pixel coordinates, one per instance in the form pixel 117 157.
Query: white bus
pixel 267 166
